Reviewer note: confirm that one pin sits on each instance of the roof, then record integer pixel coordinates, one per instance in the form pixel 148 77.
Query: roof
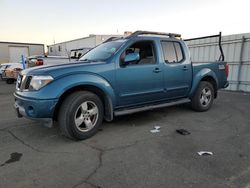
pixel 21 43
pixel 90 36
pixel 158 37
pixel 148 35
pixel 137 33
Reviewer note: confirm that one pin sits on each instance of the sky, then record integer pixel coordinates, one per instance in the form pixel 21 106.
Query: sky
pixel 46 21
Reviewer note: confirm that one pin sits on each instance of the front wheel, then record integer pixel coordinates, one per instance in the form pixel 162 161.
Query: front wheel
pixel 80 115
pixel 203 97
pixel 10 81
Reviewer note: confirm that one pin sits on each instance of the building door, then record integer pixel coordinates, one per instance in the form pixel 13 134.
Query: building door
pixel 16 52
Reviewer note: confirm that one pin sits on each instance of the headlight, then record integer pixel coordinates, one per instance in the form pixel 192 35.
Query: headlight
pixel 37 82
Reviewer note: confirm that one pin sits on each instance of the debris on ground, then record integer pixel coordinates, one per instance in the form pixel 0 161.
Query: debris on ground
pixel 182 131
pixel 156 129
pixel 205 153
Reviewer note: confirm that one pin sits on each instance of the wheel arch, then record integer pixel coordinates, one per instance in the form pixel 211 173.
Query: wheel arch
pixel 107 102
pixel 204 75
pixel 211 80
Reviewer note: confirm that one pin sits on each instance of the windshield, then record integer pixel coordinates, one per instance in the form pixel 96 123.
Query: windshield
pixel 102 52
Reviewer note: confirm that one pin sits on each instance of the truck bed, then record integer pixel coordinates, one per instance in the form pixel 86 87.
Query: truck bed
pixel 218 68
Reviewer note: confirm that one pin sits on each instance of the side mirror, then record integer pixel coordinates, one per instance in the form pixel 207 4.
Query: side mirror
pixel 132 57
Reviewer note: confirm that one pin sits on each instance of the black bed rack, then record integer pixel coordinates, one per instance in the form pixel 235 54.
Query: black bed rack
pixel 222 56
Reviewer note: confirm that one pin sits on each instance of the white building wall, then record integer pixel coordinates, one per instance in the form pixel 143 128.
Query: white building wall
pixel 66 47
pixel 33 49
pixel 87 42
pixel 101 38
pixel 82 43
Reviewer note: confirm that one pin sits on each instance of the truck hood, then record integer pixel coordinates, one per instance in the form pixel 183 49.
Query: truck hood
pixel 63 69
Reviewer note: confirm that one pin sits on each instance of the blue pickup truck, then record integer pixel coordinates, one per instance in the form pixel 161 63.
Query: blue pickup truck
pixel 143 71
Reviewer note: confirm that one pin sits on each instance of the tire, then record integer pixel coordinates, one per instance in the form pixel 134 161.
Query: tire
pixel 76 113
pixel 10 81
pixel 2 78
pixel 203 97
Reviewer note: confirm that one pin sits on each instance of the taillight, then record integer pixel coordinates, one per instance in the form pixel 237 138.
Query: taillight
pixel 39 62
pixel 227 70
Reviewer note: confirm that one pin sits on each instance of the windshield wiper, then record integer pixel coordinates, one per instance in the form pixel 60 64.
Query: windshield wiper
pixel 91 60
pixel 85 60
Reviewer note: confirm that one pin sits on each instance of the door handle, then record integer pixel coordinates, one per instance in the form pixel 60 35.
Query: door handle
pixel 185 68
pixel 156 70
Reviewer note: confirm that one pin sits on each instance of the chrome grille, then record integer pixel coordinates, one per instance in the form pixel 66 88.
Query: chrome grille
pixel 19 82
pixel 23 82
pixel 28 80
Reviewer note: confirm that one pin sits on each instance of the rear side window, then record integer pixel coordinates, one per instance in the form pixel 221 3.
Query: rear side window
pixel 172 52
pixel 178 51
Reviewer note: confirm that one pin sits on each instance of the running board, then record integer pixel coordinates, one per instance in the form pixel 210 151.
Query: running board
pixel 151 107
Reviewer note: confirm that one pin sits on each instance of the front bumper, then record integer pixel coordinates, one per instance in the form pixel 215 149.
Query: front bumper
pixel 35 109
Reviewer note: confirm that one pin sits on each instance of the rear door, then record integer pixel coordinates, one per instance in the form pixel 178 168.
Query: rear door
pixel 177 70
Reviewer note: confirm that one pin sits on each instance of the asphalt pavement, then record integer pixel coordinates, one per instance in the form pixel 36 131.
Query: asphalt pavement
pixel 124 153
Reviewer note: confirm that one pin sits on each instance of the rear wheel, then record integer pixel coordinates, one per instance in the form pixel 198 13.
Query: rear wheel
pixel 203 97
pixel 80 115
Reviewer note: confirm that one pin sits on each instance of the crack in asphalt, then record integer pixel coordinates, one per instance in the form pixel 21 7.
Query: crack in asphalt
pixel 10 127
pixel 21 141
pixel 86 180
pixel 125 146
pixel 229 116
pixel 36 149
pixel 100 155
pixel 100 164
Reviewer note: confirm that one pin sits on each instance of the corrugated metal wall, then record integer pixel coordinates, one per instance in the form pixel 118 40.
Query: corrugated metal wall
pixel 237 53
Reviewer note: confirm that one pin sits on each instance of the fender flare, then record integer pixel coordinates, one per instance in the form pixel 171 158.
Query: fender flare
pixel 204 73
pixel 67 84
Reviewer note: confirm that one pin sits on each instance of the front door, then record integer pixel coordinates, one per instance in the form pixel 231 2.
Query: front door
pixel 140 81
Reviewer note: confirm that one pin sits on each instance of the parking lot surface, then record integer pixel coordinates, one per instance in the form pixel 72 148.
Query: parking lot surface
pixel 124 153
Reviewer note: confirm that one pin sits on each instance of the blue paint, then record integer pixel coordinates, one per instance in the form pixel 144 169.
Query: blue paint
pixel 123 86
pixel 132 57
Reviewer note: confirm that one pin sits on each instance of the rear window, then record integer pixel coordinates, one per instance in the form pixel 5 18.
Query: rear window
pixel 172 52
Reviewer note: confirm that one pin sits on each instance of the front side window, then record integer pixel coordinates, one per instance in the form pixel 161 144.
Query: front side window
pixel 172 52
pixel 102 52
pixel 145 50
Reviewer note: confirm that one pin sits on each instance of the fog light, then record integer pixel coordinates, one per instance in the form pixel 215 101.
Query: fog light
pixel 30 110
